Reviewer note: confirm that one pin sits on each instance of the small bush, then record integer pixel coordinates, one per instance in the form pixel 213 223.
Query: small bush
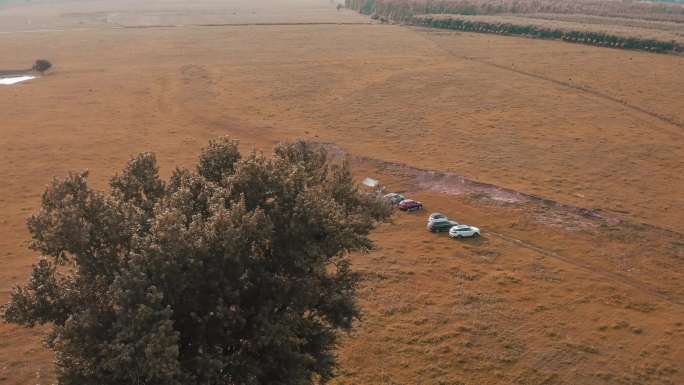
pixel 42 65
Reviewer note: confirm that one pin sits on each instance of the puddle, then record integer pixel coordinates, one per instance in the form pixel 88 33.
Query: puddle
pixel 8 81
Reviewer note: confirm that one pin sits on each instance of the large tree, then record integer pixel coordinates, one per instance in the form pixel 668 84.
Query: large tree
pixel 234 273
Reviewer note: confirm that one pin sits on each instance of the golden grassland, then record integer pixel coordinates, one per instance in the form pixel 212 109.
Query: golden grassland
pixel 546 296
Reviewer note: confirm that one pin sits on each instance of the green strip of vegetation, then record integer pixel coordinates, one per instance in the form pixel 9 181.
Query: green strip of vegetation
pixel 584 37
pixel 631 9
pixel 402 12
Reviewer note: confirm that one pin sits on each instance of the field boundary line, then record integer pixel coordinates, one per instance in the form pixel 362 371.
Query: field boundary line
pixel 616 277
pixel 598 94
pixel 662 118
pixel 218 25
pixel 113 26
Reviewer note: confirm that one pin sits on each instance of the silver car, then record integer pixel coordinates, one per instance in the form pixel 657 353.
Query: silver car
pixel 435 216
pixel 394 198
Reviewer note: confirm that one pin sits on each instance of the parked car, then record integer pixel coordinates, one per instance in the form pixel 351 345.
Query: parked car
pixel 435 216
pixel 394 198
pixel 440 225
pixel 410 205
pixel 464 231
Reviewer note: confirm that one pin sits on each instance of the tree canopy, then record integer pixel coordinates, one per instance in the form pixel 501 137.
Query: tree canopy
pixel 42 65
pixel 234 273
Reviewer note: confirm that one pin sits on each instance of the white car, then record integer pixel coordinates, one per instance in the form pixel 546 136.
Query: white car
pixel 464 231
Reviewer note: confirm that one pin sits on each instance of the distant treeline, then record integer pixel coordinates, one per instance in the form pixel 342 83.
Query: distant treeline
pixel 585 37
pixel 628 9
pixel 402 11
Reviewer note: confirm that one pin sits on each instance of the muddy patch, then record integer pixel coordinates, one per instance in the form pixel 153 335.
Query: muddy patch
pixel 451 184
pixel 545 211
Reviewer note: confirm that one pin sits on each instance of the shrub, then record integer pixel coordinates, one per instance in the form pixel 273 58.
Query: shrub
pixel 42 65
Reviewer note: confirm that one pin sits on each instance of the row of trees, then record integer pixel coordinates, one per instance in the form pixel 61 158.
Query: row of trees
pixel 584 37
pixel 235 272
pixel 414 13
pixel 627 9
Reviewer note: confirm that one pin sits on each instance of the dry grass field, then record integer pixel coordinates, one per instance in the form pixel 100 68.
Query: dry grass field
pixel 583 286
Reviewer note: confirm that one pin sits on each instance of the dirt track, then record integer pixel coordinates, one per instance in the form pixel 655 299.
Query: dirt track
pixel 594 128
pixel 549 213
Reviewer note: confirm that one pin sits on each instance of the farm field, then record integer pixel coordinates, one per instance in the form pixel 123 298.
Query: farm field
pixel 577 279
pixel 78 15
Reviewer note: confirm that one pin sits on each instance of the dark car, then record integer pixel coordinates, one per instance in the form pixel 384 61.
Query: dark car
pixel 441 225
pixel 410 205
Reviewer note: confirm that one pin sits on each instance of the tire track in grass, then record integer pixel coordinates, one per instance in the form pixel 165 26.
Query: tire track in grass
pixel 613 276
pixel 663 118
pixel 420 185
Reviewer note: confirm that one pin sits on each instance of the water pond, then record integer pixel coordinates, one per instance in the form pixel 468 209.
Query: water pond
pixel 11 80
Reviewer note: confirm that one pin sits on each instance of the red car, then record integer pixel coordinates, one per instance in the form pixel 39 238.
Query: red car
pixel 410 205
